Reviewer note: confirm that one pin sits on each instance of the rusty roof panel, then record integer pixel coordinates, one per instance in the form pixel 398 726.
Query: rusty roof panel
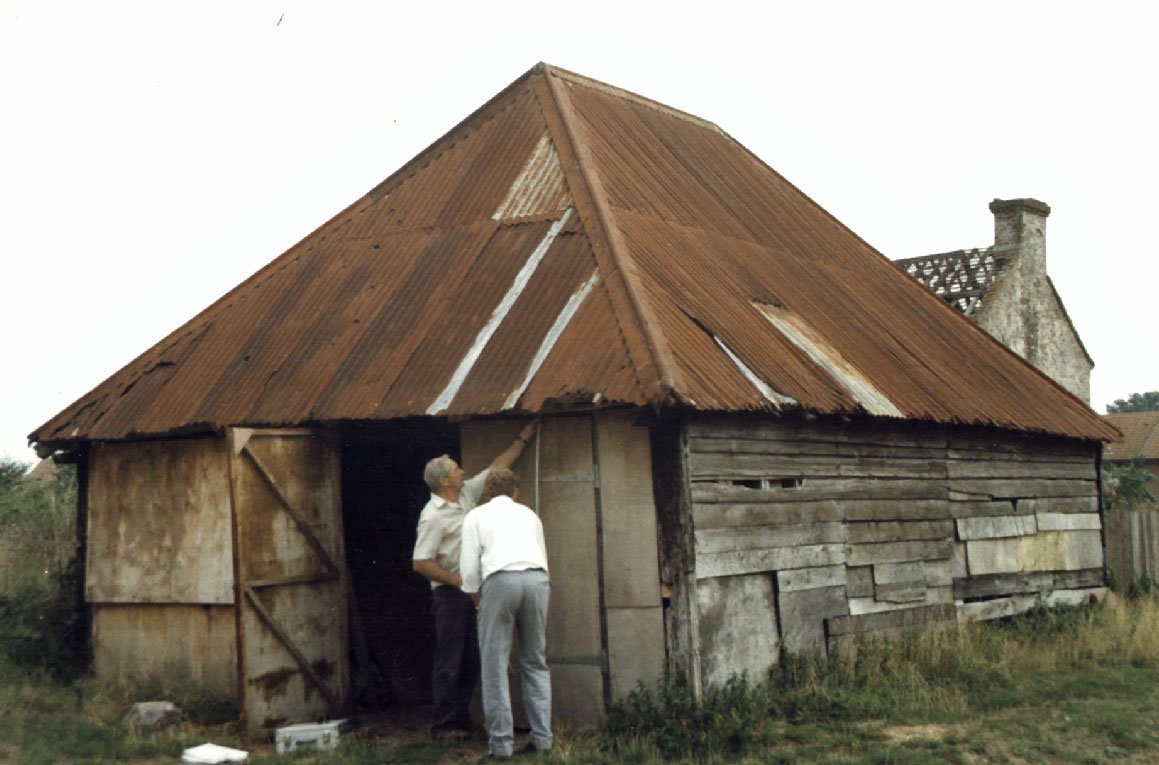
pixel 503 363
pixel 651 243
pixel 685 197
pixel 451 328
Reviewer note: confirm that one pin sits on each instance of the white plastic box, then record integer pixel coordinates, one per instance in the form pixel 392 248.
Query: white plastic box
pixel 319 736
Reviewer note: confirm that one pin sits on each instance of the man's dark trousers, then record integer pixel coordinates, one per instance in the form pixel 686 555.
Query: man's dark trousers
pixel 456 662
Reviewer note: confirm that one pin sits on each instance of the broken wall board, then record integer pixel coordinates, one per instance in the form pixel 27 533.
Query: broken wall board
pixel 895 620
pixel 998 608
pixel 993 585
pixel 871 605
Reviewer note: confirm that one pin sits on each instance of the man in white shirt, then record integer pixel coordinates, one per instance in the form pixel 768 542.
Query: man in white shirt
pixel 504 567
pixel 455 668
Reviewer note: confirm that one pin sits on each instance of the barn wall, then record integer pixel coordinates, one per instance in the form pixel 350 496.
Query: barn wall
pixel 159 569
pixel 850 528
pixel 177 643
pixel 589 478
pixel 159 523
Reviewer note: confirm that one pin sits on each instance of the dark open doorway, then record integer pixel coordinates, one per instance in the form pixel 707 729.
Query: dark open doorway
pixel 382 495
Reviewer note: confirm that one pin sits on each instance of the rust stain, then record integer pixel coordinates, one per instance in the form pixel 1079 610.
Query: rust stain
pixel 274 683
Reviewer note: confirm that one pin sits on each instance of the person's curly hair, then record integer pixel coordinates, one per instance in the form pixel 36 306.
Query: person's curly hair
pixel 499 482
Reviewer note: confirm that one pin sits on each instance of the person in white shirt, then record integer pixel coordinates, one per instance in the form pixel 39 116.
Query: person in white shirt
pixel 455 669
pixel 504 567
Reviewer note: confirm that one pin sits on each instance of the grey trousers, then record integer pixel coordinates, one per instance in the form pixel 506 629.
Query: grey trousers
pixel 515 603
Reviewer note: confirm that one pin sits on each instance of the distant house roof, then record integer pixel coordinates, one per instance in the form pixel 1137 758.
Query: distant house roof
pixel 1140 436
pixel 573 241
pixel 961 278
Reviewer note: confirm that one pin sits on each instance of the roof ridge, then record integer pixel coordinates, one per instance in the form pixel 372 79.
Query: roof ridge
pixel 606 239
pixel 964 251
pixel 628 95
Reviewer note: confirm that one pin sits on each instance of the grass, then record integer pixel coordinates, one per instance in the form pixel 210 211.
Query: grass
pixel 1069 686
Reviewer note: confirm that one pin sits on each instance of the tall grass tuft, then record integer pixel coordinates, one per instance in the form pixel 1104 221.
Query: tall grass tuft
pixel 937 676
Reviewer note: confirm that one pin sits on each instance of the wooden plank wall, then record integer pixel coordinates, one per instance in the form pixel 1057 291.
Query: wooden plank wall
pixel 1133 545
pixel 862 527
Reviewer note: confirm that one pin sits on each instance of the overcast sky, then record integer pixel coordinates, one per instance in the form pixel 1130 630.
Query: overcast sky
pixel 152 155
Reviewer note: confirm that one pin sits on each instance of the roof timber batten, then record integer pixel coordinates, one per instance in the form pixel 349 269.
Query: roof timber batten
pixel 667 380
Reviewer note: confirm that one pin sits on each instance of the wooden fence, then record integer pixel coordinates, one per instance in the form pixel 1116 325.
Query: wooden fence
pixel 1133 544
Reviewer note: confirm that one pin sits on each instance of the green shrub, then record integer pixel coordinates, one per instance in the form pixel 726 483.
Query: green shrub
pixel 726 720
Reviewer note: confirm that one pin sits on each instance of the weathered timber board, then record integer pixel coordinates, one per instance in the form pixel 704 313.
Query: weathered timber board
pixel 1009 445
pixel 994 585
pixel 1045 551
pixel 1087 504
pixel 1068 521
pixel 935 573
pixel 803 616
pixel 778 559
pixel 896 531
pixel 1017 489
pixel 899 552
pixel 893 620
pixel 1083 471
pixel 719 515
pixel 750 466
pixel 933 596
pixel 760 537
pixel 813 448
pixel 859 581
pixel 996 527
pixel 820 489
pixel 997 608
pixel 738 627
pixel 1073 597
pixel 901 592
pixel 878 434
pixel 980 508
pixel 810 578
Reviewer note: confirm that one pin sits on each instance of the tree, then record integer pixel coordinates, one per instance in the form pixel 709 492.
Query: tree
pixel 1126 485
pixel 1136 402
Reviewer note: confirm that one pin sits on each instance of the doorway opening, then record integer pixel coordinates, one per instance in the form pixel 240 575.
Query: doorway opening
pixel 382 495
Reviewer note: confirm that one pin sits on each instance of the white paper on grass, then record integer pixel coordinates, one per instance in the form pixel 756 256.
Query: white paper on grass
pixel 211 754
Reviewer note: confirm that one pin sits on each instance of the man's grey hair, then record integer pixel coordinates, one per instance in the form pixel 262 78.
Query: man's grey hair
pixel 435 471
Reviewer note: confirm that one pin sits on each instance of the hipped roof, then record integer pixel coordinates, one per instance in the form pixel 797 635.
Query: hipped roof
pixel 573 241
pixel 1140 436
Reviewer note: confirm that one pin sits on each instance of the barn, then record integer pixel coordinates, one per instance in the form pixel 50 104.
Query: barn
pixel 758 433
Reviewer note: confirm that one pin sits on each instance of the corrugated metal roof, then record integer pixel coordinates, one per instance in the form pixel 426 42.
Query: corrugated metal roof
pixel 651 247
